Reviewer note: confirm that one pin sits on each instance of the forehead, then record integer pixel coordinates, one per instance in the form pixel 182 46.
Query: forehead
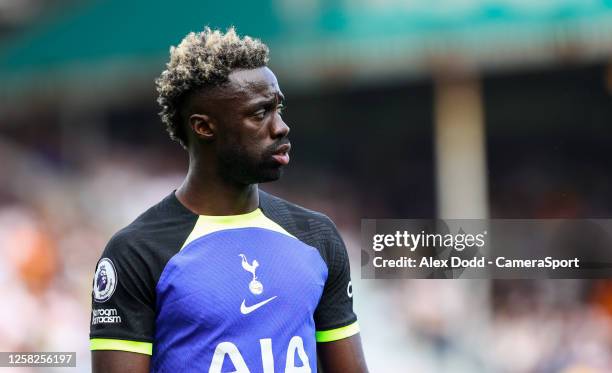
pixel 249 83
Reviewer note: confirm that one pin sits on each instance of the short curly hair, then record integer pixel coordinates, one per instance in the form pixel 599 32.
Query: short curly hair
pixel 203 59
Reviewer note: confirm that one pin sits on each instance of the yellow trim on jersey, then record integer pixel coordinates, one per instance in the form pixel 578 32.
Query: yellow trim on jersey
pixel 336 334
pixel 207 224
pixel 121 345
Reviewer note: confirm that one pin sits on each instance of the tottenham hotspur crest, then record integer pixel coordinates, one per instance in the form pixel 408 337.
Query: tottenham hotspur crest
pixel 105 280
pixel 255 286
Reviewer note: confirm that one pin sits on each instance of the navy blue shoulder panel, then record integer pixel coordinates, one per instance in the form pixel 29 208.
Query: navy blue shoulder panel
pixel 136 256
pixel 335 308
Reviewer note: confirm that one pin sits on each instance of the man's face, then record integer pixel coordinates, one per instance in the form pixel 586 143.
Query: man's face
pixel 251 139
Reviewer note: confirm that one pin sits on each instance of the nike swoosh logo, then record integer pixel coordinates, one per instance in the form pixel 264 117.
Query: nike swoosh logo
pixel 244 309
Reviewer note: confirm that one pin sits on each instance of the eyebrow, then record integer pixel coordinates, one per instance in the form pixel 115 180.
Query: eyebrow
pixel 267 101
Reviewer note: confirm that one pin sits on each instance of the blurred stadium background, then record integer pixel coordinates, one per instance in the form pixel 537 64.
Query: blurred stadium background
pixel 406 109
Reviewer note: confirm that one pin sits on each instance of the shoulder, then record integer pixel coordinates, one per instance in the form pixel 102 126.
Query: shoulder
pixel 304 218
pixel 311 227
pixel 157 233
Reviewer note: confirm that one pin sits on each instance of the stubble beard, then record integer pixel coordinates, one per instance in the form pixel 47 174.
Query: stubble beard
pixel 238 166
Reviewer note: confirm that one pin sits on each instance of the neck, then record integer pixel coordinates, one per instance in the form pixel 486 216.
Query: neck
pixel 206 193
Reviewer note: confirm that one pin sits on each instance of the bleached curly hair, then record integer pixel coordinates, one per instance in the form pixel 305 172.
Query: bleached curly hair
pixel 203 59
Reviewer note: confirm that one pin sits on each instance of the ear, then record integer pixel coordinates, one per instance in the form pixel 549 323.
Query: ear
pixel 203 126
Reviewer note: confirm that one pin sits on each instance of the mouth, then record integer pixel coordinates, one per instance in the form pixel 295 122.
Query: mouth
pixel 281 155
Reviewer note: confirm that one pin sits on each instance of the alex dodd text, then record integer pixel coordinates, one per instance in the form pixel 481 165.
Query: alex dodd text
pixel 476 262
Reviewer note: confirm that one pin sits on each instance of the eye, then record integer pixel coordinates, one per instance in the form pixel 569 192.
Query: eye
pixel 260 114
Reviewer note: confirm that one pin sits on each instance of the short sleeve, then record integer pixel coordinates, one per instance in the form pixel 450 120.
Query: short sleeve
pixel 334 316
pixel 123 299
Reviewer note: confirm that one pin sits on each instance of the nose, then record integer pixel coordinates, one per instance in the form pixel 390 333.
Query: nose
pixel 280 129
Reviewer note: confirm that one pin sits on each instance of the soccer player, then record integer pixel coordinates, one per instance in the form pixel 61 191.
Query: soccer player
pixel 220 276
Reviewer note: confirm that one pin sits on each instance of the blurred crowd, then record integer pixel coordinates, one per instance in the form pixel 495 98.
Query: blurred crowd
pixel 55 222
pixel 54 225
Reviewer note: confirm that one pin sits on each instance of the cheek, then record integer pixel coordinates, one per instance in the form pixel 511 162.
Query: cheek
pixel 245 138
pixel 251 137
pixel 243 146
pixel 232 136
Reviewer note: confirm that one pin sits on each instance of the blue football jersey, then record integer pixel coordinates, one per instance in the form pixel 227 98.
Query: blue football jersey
pixel 244 293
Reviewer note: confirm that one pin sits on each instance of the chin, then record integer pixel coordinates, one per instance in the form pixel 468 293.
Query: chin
pixel 248 174
pixel 270 175
pixel 262 176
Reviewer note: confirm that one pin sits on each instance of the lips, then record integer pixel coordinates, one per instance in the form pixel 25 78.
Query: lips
pixel 281 155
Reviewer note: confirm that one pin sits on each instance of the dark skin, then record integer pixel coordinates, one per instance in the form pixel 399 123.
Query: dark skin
pixel 236 139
